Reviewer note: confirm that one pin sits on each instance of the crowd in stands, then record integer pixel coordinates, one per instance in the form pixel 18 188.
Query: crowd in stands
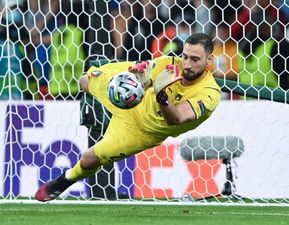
pixel 42 48
pixel 251 45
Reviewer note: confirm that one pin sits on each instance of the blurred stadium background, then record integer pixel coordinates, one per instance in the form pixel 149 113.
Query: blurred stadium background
pixel 240 156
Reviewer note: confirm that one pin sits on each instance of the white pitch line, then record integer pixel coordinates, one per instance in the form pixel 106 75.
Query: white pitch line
pixel 191 212
pixel 250 214
pixel 155 203
pixel 29 209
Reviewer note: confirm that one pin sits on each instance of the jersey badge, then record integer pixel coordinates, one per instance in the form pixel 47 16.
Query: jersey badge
pixel 96 73
pixel 202 107
pixel 178 97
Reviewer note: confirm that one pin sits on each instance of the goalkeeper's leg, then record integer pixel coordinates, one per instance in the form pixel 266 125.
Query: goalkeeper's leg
pixel 120 141
pixel 87 166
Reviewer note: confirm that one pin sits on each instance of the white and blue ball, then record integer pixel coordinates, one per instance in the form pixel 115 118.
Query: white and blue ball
pixel 125 90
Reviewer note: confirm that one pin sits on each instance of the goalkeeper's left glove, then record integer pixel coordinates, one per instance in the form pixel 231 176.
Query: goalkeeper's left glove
pixel 166 78
pixel 143 71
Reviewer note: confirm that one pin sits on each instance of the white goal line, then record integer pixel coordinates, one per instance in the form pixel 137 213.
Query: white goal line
pixel 160 203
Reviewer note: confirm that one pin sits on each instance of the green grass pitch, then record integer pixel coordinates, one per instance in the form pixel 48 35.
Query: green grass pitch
pixel 52 214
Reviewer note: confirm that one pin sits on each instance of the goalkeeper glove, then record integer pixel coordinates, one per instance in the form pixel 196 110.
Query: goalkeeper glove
pixel 143 71
pixel 166 78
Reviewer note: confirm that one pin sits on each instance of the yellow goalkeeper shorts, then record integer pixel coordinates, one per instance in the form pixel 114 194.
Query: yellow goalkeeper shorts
pixel 122 138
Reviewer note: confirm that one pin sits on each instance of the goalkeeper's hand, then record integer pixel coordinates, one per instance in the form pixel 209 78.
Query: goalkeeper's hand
pixel 166 78
pixel 143 71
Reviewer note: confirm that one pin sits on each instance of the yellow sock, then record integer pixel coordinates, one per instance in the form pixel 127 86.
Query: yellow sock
pixel 78 173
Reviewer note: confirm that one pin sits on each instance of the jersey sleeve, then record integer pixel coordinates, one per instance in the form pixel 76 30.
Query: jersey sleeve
pixel 120 66
pixel 115 67
pixel 205 102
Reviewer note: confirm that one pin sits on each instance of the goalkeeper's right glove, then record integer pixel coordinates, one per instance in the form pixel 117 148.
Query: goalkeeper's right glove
pixel 143 71
pixel 166 78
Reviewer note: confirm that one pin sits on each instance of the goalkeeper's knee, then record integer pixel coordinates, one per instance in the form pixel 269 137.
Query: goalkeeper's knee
pixel 89 160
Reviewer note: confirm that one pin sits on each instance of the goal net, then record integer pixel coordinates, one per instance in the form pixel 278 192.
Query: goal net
pixel 240 155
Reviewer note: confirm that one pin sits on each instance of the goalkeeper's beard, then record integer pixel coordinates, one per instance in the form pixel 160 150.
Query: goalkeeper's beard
pixel 190 76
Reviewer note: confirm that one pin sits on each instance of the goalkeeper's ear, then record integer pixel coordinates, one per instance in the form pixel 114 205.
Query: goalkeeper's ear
pixel 210 59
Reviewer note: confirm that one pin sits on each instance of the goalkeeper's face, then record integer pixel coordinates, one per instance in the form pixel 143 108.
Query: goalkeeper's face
pixel 195 60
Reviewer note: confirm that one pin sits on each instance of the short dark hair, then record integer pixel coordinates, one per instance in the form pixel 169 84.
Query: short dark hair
pixel 203 39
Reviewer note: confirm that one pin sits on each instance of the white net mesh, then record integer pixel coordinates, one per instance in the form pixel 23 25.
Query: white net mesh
pixel 46 46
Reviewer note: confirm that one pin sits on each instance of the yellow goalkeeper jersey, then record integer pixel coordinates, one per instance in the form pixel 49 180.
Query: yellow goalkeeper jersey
pixel 204 96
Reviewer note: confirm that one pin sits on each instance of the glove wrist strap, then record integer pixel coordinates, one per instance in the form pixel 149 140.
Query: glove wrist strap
pixel 162 98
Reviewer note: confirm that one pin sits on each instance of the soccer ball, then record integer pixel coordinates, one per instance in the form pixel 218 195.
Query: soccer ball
pixel 125 90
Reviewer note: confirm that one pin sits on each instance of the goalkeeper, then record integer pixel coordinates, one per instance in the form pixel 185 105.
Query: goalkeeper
pixel 181 94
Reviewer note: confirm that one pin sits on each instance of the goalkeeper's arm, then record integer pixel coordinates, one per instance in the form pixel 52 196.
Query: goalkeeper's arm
pixel 177 114
pixel 173 114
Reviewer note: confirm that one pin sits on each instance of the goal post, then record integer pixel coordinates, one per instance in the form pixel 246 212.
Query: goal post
pixel 258 92
pixel 238 156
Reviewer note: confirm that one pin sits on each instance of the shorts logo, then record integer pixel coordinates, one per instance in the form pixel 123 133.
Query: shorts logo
pixel 202 107
pixel 96 73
